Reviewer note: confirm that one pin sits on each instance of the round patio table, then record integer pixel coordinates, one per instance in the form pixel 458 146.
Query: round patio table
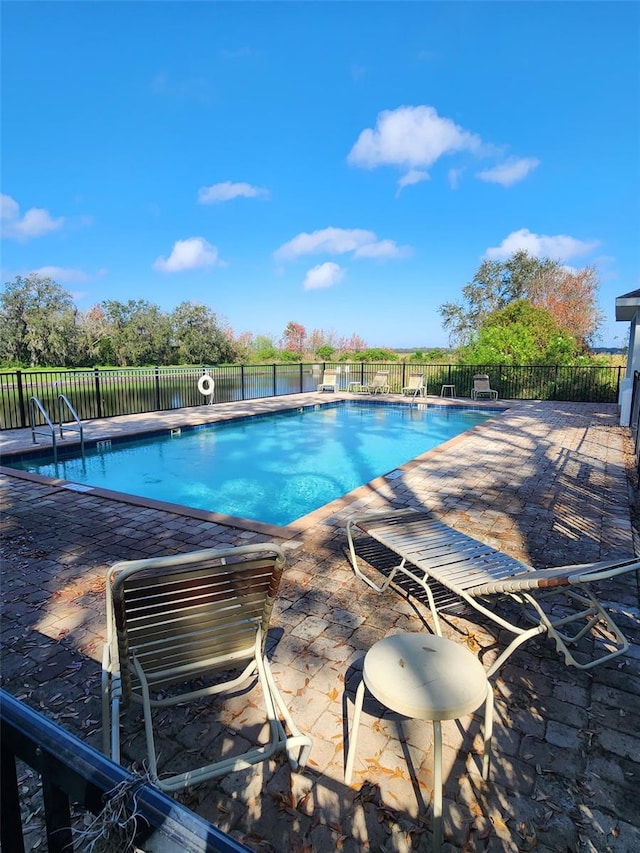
pixel 425 677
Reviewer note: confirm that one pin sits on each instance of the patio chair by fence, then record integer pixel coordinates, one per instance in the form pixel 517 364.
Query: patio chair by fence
pixel 330 380
pixel 180 628
pixel 380 383
pixel 430 551
pixel 482 387
pixel 416 385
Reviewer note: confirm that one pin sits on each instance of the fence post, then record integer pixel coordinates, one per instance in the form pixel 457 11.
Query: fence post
pixel 242 382
pixel 157 372
pixel 23 412
pixel 275 386
pixel 11 835
pixel 57 812
pixel 96 373
pixel 301 377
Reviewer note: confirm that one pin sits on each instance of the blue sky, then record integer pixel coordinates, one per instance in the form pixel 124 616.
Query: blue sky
pixel 343 165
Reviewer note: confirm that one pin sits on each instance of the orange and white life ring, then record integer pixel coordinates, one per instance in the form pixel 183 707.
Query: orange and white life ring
pixel 206 385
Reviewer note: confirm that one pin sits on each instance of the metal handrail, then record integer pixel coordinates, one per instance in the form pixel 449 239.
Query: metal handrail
pixel 33 404
pixel 62 402
pixel 74 772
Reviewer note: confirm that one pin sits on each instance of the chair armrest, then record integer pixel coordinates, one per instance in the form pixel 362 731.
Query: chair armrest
pixel 592 572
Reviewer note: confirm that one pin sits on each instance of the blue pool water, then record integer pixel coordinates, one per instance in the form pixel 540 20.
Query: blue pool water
pixel 273 468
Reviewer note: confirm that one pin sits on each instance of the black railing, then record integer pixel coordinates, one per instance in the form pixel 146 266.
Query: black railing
pixel 103 393
pixel 634 416
pixel 73 772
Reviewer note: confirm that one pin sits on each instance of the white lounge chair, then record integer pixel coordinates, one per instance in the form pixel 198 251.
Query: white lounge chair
pixel 329 381
pixel 415 385
pixel 380 383
pixel 429 551
pixel 173 620
pixel 482 387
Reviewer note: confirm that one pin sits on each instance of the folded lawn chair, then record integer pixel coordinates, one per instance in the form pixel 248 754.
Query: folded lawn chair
pixel 482 388
pixel 430 551
pixel 329 380
pixel 416 385
pixel 204 615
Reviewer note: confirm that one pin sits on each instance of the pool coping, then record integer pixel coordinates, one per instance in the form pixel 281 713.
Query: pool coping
pixel 289 531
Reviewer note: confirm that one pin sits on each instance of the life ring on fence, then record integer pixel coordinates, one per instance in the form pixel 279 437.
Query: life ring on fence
pixel 206 385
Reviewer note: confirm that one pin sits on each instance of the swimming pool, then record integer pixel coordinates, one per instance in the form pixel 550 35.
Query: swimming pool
pixel 272 468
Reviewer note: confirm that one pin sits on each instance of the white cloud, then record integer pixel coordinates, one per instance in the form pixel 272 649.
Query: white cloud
pixel 559 247
pixel 333 241
pixel 382 249
pixel 62 274
pixel 415 137
pixel 509 172
pixel 339 241
pixel 410 136
pixel 35 223
pixel 192 253
pixel 413 176
pixel 9 208
pixel 228 190
pixel 323 275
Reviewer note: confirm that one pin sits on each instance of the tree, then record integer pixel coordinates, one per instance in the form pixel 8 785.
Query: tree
pixel 320 340
pixel 376 354
pixel 352 345
pixel 325 352
pixel 294 337
pixel 243 346
pixel 94 341
pixel 495 285
pixel 520 333
pixel 290 355
pixel 570 296
pixel 199 336
pixel 37 323
pixel 140 332
pixel 264 349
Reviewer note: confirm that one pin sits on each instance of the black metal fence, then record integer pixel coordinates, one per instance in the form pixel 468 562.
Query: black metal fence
pixel 73 772
pixel 103 393
pixel 634 416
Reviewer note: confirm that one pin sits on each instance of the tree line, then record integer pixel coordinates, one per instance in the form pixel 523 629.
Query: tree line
pixel 40 326
pixel 519 311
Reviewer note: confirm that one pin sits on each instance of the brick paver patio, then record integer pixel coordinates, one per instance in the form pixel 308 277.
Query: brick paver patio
pixel 544 482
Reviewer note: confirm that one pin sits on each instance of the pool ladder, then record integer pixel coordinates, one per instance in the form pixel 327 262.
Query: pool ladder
pixel 63 403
